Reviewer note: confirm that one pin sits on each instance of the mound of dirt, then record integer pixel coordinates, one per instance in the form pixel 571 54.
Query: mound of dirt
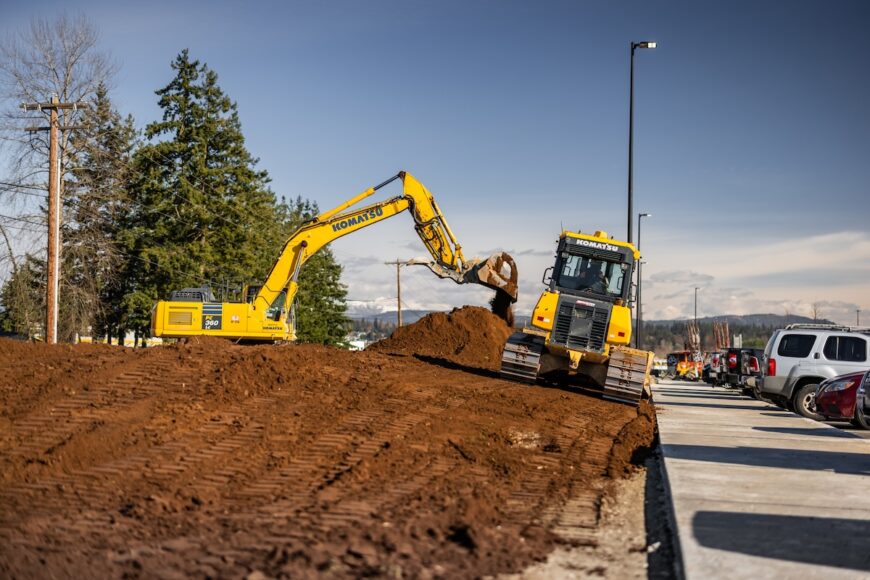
pixel 470 336
pixel 210 459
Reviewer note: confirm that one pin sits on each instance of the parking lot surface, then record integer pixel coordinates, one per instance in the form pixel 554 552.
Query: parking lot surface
pixel 759 492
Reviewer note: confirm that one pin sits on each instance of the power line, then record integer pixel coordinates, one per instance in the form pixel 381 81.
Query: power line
pixel 23 185
pixel 20 219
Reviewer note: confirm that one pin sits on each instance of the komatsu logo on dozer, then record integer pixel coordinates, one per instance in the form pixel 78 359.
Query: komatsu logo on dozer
pixel 352 221
pixel 596 245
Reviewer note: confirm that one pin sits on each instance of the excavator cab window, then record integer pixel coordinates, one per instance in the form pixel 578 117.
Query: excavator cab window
pixel 251 293
pixel 277 309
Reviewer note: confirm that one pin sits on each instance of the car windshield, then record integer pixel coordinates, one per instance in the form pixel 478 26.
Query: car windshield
pixel 591 275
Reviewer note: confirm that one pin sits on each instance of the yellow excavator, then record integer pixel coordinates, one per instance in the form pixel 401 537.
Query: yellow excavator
pixel 580 328
pixel 267 312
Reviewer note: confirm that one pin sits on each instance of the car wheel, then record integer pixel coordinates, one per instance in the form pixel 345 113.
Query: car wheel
pixel 861 419
pixel 804 402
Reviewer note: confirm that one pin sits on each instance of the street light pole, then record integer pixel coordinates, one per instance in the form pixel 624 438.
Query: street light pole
pixel 639 323
pixel 696 305
pixel 634 46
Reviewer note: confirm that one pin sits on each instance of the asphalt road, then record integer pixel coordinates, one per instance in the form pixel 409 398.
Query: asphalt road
pixel 844 425
pixel 863 433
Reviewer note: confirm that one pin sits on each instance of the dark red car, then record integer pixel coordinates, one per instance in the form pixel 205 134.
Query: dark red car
pixel 836 398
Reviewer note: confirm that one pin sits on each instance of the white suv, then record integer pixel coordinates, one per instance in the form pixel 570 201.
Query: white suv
pixel 800 356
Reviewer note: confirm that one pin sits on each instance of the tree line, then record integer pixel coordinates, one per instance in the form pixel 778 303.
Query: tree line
pixel 179 204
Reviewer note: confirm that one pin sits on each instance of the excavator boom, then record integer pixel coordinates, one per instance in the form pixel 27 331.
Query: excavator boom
pixel 268 313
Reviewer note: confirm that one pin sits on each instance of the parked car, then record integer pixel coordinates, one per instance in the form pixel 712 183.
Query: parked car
pixel 837 398
pixel 800 356
pixel 862 403
pixel 741 365
pixel 712 369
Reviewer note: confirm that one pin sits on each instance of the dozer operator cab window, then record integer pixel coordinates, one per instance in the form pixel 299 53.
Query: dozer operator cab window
pixel 591 275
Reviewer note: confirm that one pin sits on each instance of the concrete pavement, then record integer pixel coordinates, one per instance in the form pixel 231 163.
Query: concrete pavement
pixel 759 492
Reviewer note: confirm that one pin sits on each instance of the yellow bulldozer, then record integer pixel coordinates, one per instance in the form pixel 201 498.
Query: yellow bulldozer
pixel 580 328
pixel 267 314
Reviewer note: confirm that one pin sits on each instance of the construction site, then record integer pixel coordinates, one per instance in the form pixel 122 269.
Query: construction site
pixel 200 372
pixel 209 459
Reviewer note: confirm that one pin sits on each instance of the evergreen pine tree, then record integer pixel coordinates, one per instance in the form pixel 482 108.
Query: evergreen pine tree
pixel 203 212
pixel 205 215
pixel 96 207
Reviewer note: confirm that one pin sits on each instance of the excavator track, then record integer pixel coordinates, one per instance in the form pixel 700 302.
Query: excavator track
pixel 521 358
pixel 628 374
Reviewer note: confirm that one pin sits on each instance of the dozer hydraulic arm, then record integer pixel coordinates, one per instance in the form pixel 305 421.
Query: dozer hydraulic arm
pixel 266 310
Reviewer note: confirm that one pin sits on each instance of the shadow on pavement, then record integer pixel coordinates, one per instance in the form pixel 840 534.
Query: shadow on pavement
pixel 836 542
pixel 711 405
pixel 810 460
pixel 699 395
pixel 820 432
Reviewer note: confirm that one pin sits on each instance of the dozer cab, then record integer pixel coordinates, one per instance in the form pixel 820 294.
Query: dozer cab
pixel 266 312
pixel 580 328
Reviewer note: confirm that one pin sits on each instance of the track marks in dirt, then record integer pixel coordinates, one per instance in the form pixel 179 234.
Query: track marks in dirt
pixel 301 461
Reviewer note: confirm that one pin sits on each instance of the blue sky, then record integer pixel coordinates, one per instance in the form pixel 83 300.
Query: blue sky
pixel 751 130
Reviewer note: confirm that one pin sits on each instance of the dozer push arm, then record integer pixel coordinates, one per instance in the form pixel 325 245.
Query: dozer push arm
pixel 497 272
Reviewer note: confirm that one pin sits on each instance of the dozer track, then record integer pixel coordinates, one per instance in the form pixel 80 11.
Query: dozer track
pixel 628 373
pixel 521 358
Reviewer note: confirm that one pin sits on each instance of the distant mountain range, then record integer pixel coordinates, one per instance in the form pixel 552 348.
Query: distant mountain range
pixel 766 320
pixel 389 317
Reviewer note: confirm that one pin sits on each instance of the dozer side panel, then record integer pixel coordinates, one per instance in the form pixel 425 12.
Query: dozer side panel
pixel 619 331
pixel 544 313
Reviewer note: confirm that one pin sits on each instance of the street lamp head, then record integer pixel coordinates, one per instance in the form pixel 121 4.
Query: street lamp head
pixel 644 44
pixel 644 215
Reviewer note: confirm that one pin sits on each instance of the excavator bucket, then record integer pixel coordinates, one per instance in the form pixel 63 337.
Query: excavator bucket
pixel 498 272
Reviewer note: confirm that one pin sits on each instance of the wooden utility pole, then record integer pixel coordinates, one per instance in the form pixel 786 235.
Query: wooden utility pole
pixel 54 209
pixel 398 265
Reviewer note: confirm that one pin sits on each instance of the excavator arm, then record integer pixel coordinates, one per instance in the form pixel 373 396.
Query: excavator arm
pixel 497 272
pixel 266 314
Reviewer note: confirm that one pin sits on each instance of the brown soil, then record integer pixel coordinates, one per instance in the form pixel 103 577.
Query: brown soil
pixel 212 459
pixel 470 336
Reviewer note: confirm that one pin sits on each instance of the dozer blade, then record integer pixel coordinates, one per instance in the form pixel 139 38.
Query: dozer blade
pixel 627 374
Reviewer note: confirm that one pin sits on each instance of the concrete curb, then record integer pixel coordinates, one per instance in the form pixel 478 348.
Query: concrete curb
pixel 756 493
